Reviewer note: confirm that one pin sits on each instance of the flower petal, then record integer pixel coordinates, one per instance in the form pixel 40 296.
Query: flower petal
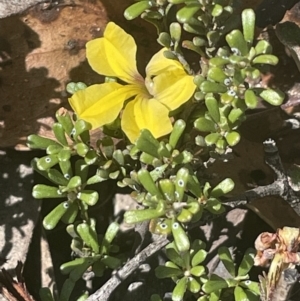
pixel 114 54
pixel 101 104
pixel 173 88
pixel 144 113
pixel 159 63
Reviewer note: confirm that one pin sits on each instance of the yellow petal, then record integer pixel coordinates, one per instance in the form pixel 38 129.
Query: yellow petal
pixel 143 113
pixel 173 88
pixel 101 104
pixel 114 54
pixel 159 63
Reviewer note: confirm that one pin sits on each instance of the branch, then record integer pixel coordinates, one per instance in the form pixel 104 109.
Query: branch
pixel 106 290
pixel 280 187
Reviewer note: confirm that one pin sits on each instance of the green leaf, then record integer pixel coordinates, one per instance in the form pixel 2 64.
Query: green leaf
pixel 205 125
pixel 154 297
pixel 215 296
pixel 77 273
pixel 175 31
pixel 64 155
pixel 273 97
pixel 35 141
pixel 147 143
pixel 263 47
pixel 69 266
pixel 111 262
pixel 83 296
pixel 184 216
pixel 214 284
pixel 178 129
pixel 134 10
pixel 180 237
pixel 194 186
pixel 171 264
pixel 174 257
pixel 167 187
pixel 107 147
pixel 74 87
pixel 47 162
pixel 90 197
pixel 56 177
pixel 247 263
pixel 236 41
pixel 110 234
pixel 212 138
pixel 232 138
pixel 66 290
pixel 198 257
pixel 211 87
pixel 181 183
pixel 51 219
pixel 197 271
pixel 89 236
pixel 222 188
pixel 198 80
pixel 213 108
pixel 239 294
pixel 71 214
pixel 235 115
pixel 80 127
pixel 248 21
pixel 216 74
pixel 146 180
pixel 214 206
pixel 64 118
pixel 226 258
pixel 163 151
pixel 185 14
pixel 45 294
pixel 41 191
pixel 98 268
pixel 251 286
pixel 180 289
pixel 167 272
pixel 164 39
pixel 266 59
pixel 213 37
pixel 75 182
pixel 53 149
pixel 251 99
pixel 218 61
pixel 66 169
pixel 193 285
pixel 59 133
pixel 136 216
pixel 81 149
pixel 217 10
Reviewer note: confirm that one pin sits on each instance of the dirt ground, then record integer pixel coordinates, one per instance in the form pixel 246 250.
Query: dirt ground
pixel 40 52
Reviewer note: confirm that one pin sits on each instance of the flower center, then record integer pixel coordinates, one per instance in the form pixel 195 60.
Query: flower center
pixel 149 85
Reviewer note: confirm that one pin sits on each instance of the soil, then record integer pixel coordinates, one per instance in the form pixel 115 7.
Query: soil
pixel 40 52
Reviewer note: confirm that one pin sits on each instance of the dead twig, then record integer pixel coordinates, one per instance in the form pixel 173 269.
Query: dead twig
pixel 106 290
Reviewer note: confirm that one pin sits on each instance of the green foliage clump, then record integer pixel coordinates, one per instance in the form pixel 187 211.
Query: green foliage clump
pixel 165 175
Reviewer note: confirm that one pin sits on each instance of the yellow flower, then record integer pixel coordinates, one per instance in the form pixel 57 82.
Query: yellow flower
pixel 166 87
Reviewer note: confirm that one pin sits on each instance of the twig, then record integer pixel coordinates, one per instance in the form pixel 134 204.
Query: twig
pixel 280 187
pixel 106 290
pixel 141 231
